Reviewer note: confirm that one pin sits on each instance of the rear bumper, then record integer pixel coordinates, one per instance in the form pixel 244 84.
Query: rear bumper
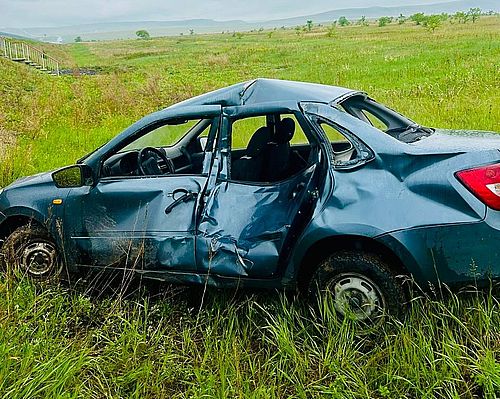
pixel 454 254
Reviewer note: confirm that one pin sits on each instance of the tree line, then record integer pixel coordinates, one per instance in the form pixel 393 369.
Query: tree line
pixel 430 22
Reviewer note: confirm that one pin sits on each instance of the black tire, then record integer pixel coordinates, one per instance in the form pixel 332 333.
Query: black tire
pixel 29 251
pixel 362 286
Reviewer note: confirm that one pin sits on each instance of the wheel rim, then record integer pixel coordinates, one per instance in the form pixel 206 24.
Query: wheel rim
pixel 38 258
pixel 357 296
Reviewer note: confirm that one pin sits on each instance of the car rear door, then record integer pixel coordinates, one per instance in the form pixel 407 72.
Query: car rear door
pixel 247 229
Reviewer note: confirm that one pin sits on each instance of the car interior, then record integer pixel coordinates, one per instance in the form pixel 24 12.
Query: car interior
pixel 176 148
pixel 269 155
pixel 265 149
pixel 280 148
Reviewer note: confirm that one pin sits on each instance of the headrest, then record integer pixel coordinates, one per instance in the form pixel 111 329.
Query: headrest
pixel 258 142
pixel 285 130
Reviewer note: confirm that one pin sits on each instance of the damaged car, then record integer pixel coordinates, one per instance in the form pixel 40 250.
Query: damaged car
pixel 270 184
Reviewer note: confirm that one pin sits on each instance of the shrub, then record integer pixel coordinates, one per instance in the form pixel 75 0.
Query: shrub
pixel 432 22
pixel 418 18
pixel 343 21
pixel 142 34
pixel 474 14
pixel 383 21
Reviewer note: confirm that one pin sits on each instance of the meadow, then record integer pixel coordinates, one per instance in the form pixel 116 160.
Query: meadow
pixel 165 342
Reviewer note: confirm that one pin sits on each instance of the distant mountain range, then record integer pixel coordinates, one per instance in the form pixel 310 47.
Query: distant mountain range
pixel 123 30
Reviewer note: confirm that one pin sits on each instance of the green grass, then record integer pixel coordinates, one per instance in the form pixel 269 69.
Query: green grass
pixel 61 343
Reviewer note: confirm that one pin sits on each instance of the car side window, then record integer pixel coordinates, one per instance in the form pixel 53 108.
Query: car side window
pixel 344 151
pixel 162 136
pixel 268 148
pixel 174 147
pixel 242 130
pixel 375 121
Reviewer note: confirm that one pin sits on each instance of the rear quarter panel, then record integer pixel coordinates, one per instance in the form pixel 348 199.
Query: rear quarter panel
pixel 411 202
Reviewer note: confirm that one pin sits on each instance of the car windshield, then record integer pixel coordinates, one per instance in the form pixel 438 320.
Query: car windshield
pixel 385 119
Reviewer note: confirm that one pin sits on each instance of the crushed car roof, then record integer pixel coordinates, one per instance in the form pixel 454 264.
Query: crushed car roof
pixel 261 90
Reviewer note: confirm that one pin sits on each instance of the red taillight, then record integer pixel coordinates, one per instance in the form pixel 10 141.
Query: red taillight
pixel 484 182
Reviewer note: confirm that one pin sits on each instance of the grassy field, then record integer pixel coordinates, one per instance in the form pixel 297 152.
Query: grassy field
pixel 58 342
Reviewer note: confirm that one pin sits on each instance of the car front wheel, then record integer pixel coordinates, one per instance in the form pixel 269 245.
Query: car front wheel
pixel 30 251
pixel 361 285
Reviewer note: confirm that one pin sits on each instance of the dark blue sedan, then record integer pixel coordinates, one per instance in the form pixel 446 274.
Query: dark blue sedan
pixel 271 184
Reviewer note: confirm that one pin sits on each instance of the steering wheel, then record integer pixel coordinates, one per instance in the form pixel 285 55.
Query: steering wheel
pixel 148 161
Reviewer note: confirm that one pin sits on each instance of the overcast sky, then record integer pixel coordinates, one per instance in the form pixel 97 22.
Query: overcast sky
pixel 37 13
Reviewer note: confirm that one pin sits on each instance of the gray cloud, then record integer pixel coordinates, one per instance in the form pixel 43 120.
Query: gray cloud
pixel 29 13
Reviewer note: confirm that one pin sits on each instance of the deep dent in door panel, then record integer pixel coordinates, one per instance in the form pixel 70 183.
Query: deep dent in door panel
pixel 243 227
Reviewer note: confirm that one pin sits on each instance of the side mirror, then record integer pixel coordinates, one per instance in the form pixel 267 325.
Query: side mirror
pixel 73 176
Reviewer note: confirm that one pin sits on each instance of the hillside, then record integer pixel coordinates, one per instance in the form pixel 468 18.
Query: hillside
pixel 126 29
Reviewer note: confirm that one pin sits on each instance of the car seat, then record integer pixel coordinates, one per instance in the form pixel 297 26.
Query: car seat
pixel 250 167
pixel 278 150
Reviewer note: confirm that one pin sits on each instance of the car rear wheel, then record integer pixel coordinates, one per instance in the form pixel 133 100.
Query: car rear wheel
pixel 30 251
pixel 361 286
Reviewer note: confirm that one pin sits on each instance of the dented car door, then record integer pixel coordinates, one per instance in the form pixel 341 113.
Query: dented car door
pixel 248 229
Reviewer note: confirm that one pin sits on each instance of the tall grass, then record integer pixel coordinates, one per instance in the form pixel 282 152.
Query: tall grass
pixel 59 342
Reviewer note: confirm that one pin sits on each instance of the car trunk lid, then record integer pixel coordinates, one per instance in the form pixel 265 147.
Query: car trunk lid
pixel 445 141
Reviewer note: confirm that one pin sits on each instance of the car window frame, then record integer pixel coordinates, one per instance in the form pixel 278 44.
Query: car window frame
pixel 187 137
pixel 230 119
pixel 366 153
pixel 358 104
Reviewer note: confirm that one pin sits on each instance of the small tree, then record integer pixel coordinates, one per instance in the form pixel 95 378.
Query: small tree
pixel 191 31
pixel 474 14
pixel 432 22
pixel 309 24
pixel 78 39
pixel 383 21
pixel 461 17
pixel 401 19
pixel 418 18
pixel 362 21
pixel 343 21
pixel 142 34
pixel 298 30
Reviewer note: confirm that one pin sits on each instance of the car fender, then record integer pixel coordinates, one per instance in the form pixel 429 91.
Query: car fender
pixel 45 217
pixel 317 232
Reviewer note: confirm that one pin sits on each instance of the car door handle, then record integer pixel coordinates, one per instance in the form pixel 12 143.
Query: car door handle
pixel 187 196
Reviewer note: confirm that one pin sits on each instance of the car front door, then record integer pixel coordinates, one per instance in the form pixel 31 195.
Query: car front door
pixel 248 228
pixel 142 221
